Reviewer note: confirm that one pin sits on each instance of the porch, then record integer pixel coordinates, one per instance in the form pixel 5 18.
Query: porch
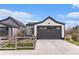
pixel 5 31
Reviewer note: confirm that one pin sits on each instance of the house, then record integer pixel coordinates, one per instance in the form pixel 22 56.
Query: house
pixel 49 28
pixel 11 27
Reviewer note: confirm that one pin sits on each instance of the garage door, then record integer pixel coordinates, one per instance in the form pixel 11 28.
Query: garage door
pixel 48 32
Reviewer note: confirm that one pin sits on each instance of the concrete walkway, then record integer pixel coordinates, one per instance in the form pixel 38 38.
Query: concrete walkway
pixel 47 47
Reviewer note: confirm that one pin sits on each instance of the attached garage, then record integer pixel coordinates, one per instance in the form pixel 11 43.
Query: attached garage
pixel 48 32
pixel 48 29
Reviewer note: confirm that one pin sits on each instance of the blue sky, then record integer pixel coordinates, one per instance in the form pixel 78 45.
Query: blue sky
pixel 66 13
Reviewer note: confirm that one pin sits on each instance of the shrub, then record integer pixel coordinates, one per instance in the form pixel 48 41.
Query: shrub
pixel 18 33
pixel 68 39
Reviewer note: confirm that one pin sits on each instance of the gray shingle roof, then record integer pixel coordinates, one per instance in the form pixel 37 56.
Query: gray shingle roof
pixel 7 25
pixel 12 22
pixel 32 23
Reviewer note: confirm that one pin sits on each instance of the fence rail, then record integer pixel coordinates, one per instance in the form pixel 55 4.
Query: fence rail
pixel 17 42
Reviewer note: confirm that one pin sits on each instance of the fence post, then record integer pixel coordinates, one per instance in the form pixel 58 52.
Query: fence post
pixel 15 42
pixel 34 43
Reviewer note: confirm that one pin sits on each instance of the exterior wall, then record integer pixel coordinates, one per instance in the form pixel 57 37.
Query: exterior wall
pixel 1 25
pixel 48 22
pixel 29 32
pixel 9 29
pixel 3 32
pixel 15 31
pixel 23 29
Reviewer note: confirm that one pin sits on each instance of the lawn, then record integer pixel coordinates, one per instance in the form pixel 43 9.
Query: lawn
pixel 20 44
pixel 25 44
pixel 9 45
pixel 73 42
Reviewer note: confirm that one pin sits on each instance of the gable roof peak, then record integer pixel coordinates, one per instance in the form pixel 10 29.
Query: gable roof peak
pixel 49 17
pixel 9 17
pixel 17 23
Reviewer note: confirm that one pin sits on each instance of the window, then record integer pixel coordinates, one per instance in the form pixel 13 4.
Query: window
pixel 3 28
pixel 51 27
pixel 57 27
pixel 43 27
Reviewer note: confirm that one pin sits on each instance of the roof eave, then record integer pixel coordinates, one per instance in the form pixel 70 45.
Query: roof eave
pixel 50 18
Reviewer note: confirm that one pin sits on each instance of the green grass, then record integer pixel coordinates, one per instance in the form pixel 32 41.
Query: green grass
pixel 9 45
pixel 19 49
pixel 25 44
pixel 21 45
pixel 73 42
pixel 25 48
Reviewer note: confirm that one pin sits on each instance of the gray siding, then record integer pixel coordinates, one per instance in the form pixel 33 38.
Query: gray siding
pixel 29 30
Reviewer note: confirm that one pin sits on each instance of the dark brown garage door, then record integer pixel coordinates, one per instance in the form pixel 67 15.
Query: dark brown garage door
pixel 48 32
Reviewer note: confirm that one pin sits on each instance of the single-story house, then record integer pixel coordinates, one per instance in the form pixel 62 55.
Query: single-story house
pixel 49 28
pixel 11 27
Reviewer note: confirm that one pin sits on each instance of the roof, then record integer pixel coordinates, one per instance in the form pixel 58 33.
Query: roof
pixel 31 24
pixel 7 25
pixel 12 22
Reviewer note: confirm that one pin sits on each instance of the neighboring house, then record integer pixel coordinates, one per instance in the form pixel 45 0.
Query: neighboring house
pixel 11 27
pixel 46 29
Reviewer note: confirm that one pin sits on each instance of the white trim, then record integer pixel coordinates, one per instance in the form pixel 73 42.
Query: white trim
pixel 52 23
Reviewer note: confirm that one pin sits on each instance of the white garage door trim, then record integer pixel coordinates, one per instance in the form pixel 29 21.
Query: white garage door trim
pixel 49 22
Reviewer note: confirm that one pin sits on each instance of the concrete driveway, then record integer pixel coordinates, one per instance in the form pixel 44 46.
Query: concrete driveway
pixel 47 47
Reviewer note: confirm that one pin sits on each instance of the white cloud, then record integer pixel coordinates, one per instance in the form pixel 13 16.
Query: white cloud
pixel 73 15
pixel 72 22
pixel 19 15
pixel 75 6
pixel 71 19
